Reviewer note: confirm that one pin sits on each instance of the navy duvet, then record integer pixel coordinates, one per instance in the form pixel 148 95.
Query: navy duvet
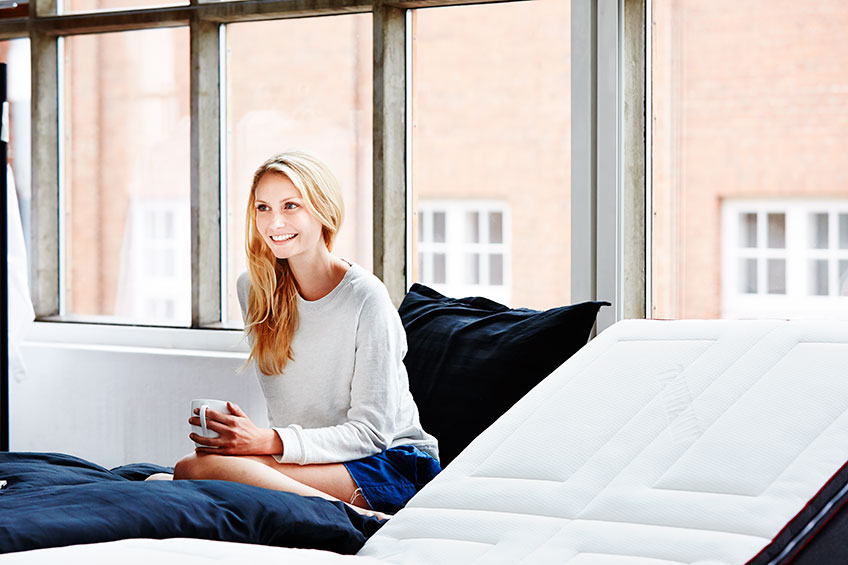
pixel 54 500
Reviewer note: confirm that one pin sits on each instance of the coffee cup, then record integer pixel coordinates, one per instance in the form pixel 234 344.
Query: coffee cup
pixel 202 405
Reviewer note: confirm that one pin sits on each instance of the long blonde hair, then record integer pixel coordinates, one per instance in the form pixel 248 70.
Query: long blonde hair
pixel 272 302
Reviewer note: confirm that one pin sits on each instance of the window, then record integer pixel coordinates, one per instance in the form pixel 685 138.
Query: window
pixel 15 53
pixel 126 180
pixel 489 126
pixel 748 140
pixel 150 125
pixel 156 236
pixel 463 248
pixel 317 99
pixel 785 258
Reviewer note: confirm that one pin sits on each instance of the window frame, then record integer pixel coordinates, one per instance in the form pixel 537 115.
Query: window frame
pixel 608 193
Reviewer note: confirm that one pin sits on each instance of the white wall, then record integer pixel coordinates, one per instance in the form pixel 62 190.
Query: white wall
pixel 116 395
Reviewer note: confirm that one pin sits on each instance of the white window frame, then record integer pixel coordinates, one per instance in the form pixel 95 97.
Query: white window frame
pixel 455 247
pixel 797 302
pixel 610 181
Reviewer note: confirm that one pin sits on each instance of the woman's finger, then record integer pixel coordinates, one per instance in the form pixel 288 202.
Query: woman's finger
pixel 236 409
pixel 211 424
pixel 217 451
pixel 206 441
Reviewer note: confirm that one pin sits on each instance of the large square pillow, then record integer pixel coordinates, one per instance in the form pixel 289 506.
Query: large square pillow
pixel 471 359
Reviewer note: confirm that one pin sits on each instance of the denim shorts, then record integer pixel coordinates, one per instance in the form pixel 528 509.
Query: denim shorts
pixel 390 478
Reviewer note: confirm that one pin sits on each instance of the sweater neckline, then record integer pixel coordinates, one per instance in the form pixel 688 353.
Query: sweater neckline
pixel 322 302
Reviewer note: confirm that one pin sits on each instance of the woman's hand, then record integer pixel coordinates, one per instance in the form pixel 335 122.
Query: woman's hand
pixel 237 434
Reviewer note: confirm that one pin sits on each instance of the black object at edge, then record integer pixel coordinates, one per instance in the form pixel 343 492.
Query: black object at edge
pixel 817 534
pixel 4 285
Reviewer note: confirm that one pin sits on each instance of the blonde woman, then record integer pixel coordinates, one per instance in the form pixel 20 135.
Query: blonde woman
pixel 327 345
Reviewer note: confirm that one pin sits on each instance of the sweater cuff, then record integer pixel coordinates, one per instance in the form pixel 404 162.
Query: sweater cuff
pixel 292 445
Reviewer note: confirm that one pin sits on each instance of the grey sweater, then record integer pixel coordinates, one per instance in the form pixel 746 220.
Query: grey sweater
pixel 345 395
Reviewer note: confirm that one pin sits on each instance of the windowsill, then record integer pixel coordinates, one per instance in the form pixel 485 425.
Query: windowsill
pixel 139 339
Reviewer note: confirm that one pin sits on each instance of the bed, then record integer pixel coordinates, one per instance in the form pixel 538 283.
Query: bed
pixel 658 442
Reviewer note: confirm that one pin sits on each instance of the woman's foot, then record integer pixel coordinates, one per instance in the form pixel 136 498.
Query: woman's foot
pixel 160 477
pixel 372 513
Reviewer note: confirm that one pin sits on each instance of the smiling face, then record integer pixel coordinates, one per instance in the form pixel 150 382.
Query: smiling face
pixel 283 220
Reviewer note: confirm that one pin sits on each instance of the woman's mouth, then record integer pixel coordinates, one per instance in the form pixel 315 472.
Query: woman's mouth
pixel 279 238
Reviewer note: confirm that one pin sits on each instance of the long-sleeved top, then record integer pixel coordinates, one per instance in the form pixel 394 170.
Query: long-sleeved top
pixel 345 395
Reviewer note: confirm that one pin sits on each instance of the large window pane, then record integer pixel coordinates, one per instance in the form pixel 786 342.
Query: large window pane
pixel 748 145
pixel 15 53
pixel 300 84
pixel 127 176
pixel 491 122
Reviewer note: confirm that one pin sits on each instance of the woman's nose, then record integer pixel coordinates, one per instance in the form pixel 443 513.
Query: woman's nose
pixel 278 220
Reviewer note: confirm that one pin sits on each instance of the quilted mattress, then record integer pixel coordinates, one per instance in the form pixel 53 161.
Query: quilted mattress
pixel 658 443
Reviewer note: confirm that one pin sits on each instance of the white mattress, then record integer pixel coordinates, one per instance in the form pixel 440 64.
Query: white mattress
pixel 658 443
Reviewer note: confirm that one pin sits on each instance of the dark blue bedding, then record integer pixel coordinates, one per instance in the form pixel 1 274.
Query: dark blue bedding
pixel 54 500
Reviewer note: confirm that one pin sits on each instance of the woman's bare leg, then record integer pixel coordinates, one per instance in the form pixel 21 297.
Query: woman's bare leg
pixel 330 481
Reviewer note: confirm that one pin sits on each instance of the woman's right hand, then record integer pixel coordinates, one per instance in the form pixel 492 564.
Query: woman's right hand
pixel 237 434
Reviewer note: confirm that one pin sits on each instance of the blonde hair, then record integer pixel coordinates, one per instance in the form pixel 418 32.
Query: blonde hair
pixel 272 302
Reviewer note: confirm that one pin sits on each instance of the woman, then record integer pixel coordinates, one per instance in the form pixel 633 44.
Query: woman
pixel 328 346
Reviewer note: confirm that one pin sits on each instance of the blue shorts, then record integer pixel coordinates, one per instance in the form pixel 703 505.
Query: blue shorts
pixel 389 479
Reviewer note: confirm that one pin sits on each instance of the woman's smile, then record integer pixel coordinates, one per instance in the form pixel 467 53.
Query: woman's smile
pixel 279 208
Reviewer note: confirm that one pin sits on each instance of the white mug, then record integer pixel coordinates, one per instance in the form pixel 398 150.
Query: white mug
pixel 203 404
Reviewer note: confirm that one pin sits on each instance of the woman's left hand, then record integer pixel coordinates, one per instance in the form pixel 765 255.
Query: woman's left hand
pixel 237 434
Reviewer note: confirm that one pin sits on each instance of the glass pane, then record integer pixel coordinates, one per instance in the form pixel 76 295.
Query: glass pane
pixel 472 227
pixel 420 226
pixel 15 53
pixel 748 276
pixel 747 230
pixel 75 6
pixel 818 277
pixel 719 145
pixel 439 269
pixel 472 268
pixel 302 84
pixel 491 84
pixel 439 227
pixel 843 231
pixel 843 278
pixel 818 231
pixel 776 276
pixel 496 269
pixel 495 227
pixel 126 171
pixel 777 231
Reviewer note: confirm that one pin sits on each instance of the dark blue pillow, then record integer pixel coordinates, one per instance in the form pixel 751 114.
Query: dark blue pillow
pixel 471 359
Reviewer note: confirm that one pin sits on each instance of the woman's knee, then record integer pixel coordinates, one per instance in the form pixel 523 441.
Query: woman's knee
pixel 192 466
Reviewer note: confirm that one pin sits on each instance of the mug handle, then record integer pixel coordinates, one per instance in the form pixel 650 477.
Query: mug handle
pixel 202 414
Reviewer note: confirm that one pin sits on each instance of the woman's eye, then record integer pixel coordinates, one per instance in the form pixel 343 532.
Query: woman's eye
pixel 291 205
pixel 262 208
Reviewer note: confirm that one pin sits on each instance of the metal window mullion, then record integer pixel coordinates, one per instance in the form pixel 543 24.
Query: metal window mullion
pixel 45 233
pixel 609 154
pixel 390 141
pixel 205 173
pixel 583 146
pixel 634 160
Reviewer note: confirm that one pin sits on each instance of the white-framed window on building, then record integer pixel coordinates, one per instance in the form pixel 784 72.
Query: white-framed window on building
pixel 153 288
pixel 464 248
pixel 785 258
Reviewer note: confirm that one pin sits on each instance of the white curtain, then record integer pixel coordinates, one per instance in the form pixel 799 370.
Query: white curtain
pixel 21 313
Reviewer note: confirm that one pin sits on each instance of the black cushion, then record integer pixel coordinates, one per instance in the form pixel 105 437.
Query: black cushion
pixel 471 359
